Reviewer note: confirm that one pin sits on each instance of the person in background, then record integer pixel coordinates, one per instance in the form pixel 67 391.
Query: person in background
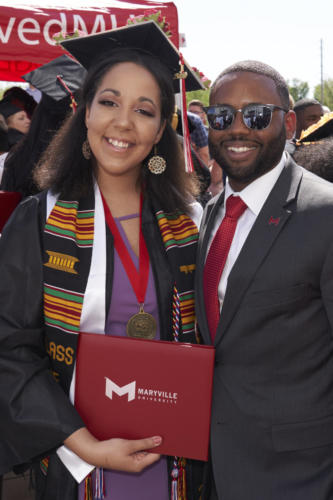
pixel 113 172
pixel 56 104
pixel 308 111
pixel 291 143
pixel 196 106
pixel 264 294
pixel 18 107
pixel 217 180
pixel 317 157
pixel 201 169
pixel 216 172
pixel 19 97
pixel 4 146
pixel 16 119
pixel 314 150
pixel 199 137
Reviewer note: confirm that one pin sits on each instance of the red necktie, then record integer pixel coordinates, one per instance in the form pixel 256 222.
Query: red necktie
pixel 216 260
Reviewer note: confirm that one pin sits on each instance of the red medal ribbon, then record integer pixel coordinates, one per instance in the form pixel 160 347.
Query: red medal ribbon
pixel 139 280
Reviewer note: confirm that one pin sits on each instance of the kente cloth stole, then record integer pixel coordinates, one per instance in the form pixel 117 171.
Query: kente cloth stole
pixel 180 238
pixel 68 243
pixel 69 236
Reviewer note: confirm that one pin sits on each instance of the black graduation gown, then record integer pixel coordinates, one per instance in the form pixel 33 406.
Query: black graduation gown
pixel 36 414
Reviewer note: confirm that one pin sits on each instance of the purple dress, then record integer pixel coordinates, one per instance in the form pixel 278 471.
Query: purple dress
pixel 152 483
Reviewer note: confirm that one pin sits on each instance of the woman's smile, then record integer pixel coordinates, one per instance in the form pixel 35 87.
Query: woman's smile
pixel 124 121
pixel 118 144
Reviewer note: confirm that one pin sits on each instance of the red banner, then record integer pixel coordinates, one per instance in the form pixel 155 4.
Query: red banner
pixel 26 32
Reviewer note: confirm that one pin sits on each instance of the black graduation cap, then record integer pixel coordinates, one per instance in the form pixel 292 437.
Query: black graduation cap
pixel 146 36
pixel 320 130
pixel 53 77
pixel 7 108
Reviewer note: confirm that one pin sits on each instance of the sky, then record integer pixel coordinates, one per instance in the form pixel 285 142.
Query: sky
pixel 285 34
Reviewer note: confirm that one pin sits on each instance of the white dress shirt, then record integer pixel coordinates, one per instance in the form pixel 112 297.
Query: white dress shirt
pixel 254 195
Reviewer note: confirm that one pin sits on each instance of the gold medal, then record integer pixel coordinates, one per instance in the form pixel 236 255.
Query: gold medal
pixel 141 326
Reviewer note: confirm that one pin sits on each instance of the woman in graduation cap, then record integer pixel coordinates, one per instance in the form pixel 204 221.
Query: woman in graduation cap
pixel 57 102
pixel 92 253
pixel 17 120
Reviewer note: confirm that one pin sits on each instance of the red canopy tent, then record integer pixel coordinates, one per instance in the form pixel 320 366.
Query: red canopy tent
pixel 26 31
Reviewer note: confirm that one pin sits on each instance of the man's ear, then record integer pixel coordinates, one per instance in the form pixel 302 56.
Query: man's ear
pixel 290 124
pixel 160 132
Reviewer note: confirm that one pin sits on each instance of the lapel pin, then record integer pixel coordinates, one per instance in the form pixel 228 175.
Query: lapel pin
pixel 274 221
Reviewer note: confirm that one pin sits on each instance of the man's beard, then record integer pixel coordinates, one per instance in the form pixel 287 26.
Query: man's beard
pixel 263 164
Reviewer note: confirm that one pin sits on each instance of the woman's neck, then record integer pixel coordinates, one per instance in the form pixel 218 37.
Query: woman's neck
pixel 122 194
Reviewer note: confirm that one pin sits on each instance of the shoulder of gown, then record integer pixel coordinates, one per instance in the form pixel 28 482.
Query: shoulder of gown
pixel 36 415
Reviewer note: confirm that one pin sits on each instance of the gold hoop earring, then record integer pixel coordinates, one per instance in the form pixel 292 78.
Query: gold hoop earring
pixel 156 164
pixel 86 151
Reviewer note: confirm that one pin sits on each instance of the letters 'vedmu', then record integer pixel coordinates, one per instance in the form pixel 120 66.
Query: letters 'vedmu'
pixel 111 387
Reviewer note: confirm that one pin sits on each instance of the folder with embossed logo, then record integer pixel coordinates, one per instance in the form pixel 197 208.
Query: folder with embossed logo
pixel 133 388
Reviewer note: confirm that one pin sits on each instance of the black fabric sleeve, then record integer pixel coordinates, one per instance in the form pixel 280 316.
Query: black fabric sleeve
pixel 36 415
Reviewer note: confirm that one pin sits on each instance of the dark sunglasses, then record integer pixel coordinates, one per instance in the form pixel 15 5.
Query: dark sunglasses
pixel 255 116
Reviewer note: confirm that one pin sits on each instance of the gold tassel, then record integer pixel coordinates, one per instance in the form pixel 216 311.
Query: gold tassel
pixel 182 479
pixel 174 119
pixel 88 494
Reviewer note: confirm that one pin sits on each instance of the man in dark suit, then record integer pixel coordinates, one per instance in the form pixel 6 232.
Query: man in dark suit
pixel 269 310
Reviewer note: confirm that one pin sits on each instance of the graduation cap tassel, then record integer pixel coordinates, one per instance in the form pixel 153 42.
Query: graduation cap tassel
pixel 65 86
pixel 178 483
pixel 99 484
pixel 174 482
pixel 88 488
pixel 182 480
pixel 186 134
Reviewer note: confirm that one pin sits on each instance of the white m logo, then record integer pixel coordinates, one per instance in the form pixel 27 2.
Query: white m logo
pixel 128 389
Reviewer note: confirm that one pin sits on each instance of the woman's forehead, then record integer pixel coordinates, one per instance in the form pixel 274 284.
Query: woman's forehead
pixel 130 77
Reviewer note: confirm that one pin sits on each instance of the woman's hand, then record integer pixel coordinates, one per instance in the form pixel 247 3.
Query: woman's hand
pixel 117 454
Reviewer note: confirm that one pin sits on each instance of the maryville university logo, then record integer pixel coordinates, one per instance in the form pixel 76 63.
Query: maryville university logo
pixel 132 392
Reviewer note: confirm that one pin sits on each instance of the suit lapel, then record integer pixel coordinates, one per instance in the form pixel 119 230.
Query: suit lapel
pixel 266 229
pixel 205 231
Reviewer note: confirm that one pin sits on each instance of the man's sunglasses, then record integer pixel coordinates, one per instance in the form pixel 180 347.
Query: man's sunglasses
pixel 255 116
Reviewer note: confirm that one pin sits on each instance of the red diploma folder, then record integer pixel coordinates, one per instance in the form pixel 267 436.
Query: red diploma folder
pixel 134 388
pixel 8 202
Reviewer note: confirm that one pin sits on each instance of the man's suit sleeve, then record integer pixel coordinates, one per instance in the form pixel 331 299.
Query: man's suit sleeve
pixel 35 414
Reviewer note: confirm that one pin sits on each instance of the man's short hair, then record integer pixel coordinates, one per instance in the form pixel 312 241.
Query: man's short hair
pixel 259 68
pixel 196 102
pixel 305 103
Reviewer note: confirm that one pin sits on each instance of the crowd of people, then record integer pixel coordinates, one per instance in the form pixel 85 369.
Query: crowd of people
pixel 18 106
pixel 101 170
